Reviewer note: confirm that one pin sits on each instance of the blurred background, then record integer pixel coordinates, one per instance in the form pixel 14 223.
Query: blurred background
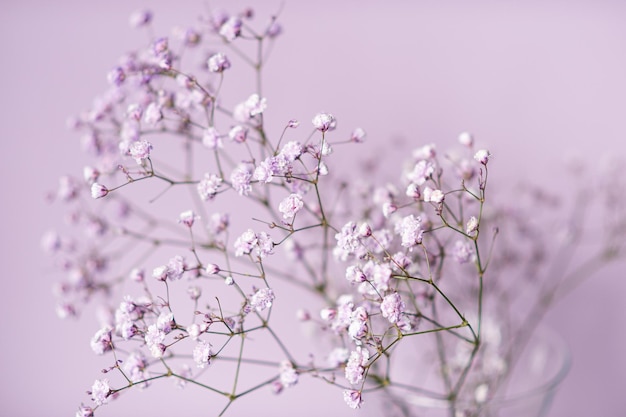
pixel 536 82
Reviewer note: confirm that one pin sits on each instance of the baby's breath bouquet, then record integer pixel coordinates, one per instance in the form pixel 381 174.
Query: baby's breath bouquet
pixel 195 220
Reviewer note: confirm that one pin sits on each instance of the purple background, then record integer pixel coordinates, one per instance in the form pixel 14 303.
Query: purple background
pixel 534 81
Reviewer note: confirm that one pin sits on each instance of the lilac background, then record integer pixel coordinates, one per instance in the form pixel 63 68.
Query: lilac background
pixel 533 80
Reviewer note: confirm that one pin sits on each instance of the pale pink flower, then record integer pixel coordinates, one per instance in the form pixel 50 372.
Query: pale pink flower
pixel 291 151
pixel 358 327
pixel 347 241
pixel 290 206
pixel 392 307
pixel 472 226
pixel 154 338
pixel 84 411
pixel 463 252
pixel 413 191
pixel 101 341
pixel 483 156
pixel 202 354
pixel 352 398
pixel 288 374
pixel 140 150
pixel 209 186
pixel 134 367
pixel 433 196
pixel 324 122
pixel 152 115
pixel 218 62
pixel 165 322
pixel 188 218
pixel 425 152
pixel 358 135
pixel 240 180
pixel 410 230
pixel 262 299
pixel 238 134
pixel 100 391
pixel 98 190
pixel 140 18
pixel 231 28
pixel 211 138
pixel 422 171
pixel 355 274
pixel 264 245
pixel 466 139
pixel 245 243
pixel 212 269
pixel 337 357
pixel 356 365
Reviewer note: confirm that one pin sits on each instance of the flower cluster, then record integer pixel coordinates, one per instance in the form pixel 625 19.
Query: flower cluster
pixel 186 277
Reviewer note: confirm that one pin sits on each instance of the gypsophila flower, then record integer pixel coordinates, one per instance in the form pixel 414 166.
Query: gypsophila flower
pixel 264 245
pixel 389 208
pixel 116 76
pixel 288 374
pixel 357 135
pixel 202 354
pixel 212 269
pixel 154 338
pixel 433 196
pixel 140 18
pixel 152 115
pixel 256 104
pixel 101 341
pixel 355 274
pixel 355 367
pixel 337 357
pixel 347 241
pixel 165 322
pixel 231 28
pixel 84 411
pixel 262 299
pixel 323 121
pixel 466 139
pixel 472 226
pixel 293 123
pixel 229 280
pixel 194 292
pixel 188 218
pixel 100 391
pixel 137 275
pixel 410 230
pixel 352 398
pixel 98 190
pixel 392 307
pixel 422 171
pixel 175 268
pixel 483 156
pixel 291 151
pixel 425 152
pixel 211 138
pixel 134 367
pixel 290 206
pixel 160 273
pixel 245 243
pixel 358 327
pixel 413 191
pixel 238 134
pixel 240 180
pixel 140 150
pixel 209 186
pixel 463 252
pixel 90 174
pixel 218 63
